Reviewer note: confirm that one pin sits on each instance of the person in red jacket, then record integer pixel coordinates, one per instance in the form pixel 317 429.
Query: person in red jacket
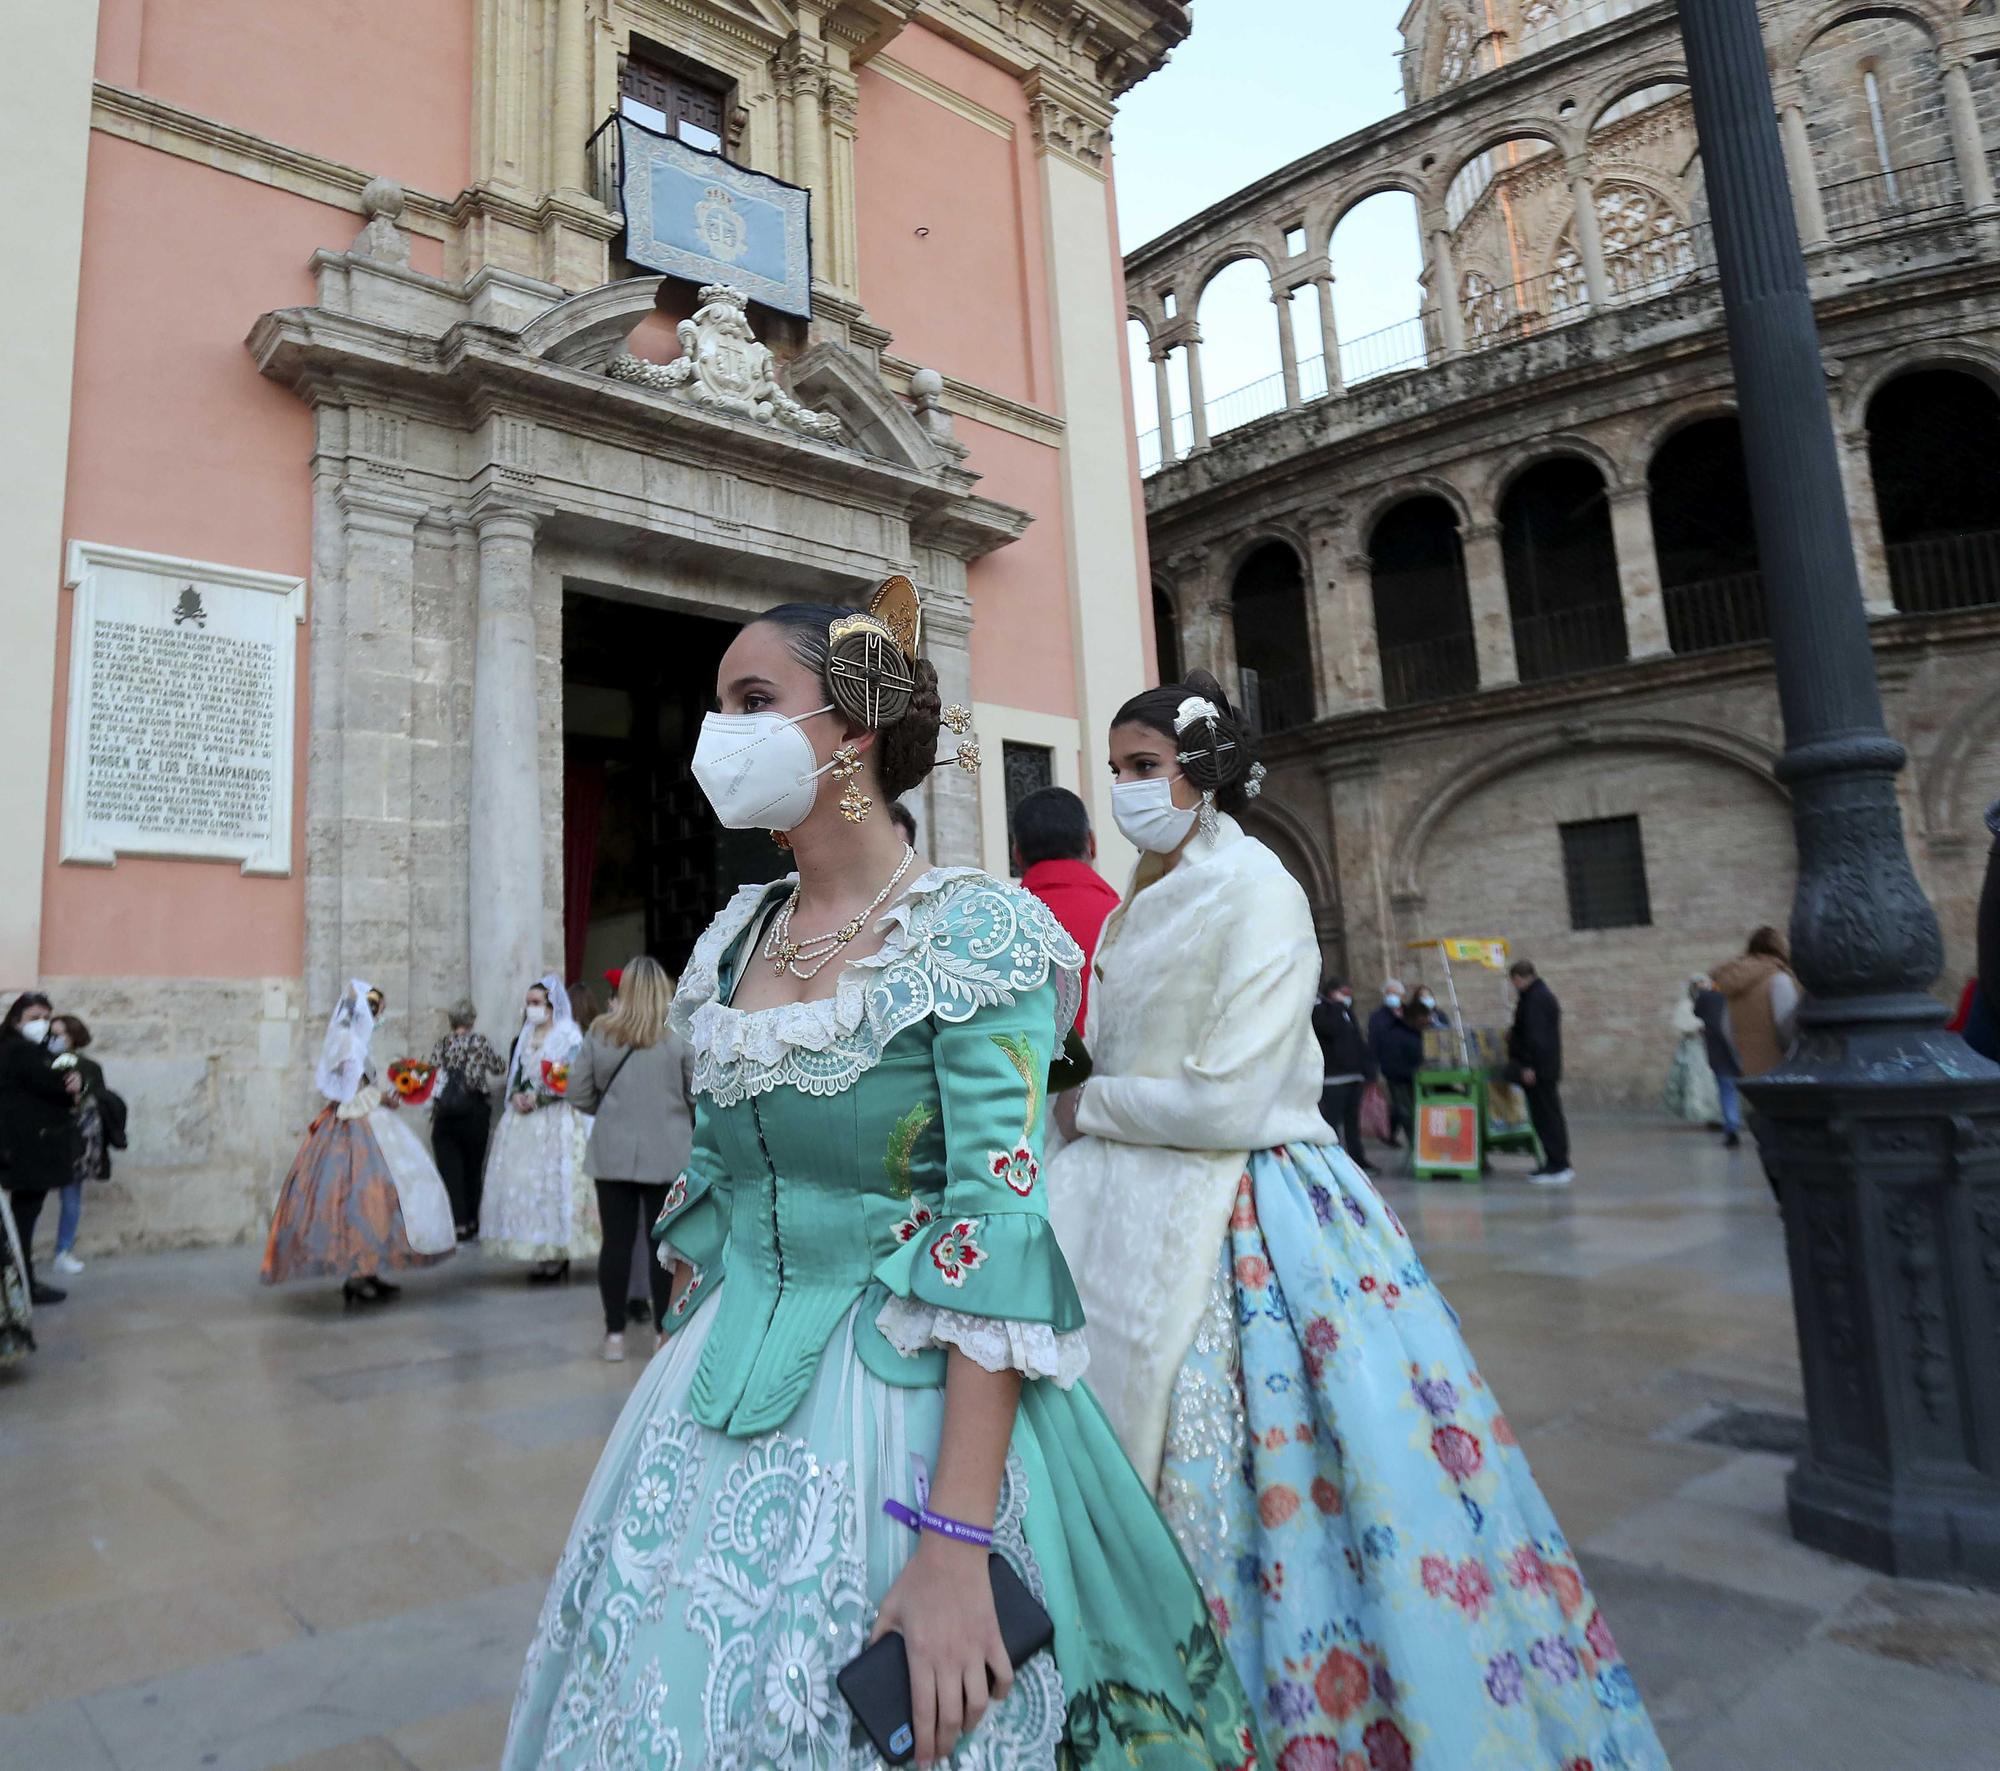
pixel 1054 847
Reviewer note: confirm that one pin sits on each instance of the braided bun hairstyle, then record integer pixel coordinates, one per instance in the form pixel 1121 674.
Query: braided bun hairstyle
pixel 906 752
pixel 1217 757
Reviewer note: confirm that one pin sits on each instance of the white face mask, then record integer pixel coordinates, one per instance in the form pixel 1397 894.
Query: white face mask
pixel 757 769
pixel 1392 1002
pixel 34 1031
pixel 537 1013
pixel 1146 813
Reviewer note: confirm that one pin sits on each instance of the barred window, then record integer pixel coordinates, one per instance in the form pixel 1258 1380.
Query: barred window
pixel 1604 867
pixel 1026 768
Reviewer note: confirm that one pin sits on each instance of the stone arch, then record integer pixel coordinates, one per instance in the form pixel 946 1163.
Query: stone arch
pixel 1220 260
pixel 1377 184
pixel 1169 656
pixel 1545 130
pixel 1865 381
pixel 1267 532
pixel 1269 590
pixel 1717 403
pixel 1935 22
pixel 1623 85
pixel 1413 838
pixel 1386 497
pixel 588 330
pixel 1941 786
pixel 1572 444
pixel 1266 818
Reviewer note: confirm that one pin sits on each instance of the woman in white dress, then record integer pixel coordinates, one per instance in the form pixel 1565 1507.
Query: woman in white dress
pixel 363 1193
pixel 1388 1580
pixel 538 1203
pixel 1691 1093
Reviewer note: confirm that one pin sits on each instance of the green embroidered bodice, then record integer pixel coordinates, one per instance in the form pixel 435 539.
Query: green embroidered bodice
pixel 881 1147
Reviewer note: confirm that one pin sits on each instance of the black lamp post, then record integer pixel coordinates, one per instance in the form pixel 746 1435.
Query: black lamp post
pixel 1882 1132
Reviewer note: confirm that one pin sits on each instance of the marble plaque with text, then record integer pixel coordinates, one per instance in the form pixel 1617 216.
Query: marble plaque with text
pixel 180 710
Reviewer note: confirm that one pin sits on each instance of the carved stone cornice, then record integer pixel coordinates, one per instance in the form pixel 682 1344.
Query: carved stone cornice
pixel 1109 45
pixel 1068 119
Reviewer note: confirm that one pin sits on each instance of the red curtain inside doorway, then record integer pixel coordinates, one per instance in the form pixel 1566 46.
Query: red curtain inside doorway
pixel 583 814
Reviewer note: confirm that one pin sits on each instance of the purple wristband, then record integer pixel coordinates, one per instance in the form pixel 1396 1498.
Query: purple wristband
pixel 936 1523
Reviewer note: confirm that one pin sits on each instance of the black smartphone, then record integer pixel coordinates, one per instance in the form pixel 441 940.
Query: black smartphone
pixel 876 1682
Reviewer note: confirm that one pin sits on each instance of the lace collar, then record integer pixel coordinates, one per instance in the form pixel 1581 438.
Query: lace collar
pixel 958 940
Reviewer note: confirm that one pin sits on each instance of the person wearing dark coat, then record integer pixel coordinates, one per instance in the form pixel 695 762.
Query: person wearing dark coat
pixel 1380 1025
pixel 1534 1062
pixel 37 1127
pixel 1399 1050
pixel 1347 1065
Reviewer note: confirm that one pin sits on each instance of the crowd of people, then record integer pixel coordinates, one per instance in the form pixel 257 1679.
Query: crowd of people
pixel 59 1123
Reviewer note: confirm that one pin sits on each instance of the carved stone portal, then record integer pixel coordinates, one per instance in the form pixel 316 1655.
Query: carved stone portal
pixel 723 365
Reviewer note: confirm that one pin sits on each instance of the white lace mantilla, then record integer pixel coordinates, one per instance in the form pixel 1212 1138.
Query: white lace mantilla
pixel 1032 1348
pixel 958 940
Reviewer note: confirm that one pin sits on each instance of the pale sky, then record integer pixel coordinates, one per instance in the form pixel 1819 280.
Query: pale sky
pixel 1257 84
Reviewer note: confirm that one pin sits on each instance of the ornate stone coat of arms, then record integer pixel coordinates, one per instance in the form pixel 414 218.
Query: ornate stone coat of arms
pixel 723 365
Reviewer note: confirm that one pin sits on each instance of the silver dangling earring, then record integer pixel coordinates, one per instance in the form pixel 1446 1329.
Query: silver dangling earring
pixel 1207 817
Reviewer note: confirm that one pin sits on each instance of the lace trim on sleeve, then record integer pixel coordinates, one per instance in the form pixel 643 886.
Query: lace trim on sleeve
pixel 1032 1348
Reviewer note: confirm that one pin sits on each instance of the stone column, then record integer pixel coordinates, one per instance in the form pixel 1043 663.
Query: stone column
pixel 1638 572
pixel 1361 841
pixel 506 837
pixel 1444 279
pixel 951 797
pixel 1968 146
pixel 1163 397
pixel 361 799
pixel 843 113
pixel 1288 349
pixel 1864 518
pixel 1801 174
pixel 1197 399
pixel 1492 613
pixel 569 113
pixel 47 122
pixel 1329 333
pixel 800 74
pixel 1347 667
pixel 1103 538
pixel 1589 238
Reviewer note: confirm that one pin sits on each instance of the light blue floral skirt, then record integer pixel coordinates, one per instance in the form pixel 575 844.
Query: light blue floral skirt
pixel 1390 1582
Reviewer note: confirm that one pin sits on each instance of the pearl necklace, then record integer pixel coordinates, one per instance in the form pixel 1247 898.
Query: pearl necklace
pixel 806 959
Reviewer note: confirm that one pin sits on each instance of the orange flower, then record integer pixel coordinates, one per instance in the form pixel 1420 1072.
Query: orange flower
pixel 1327 1497
pixel 1277 1504
pixel 1569 1587
pixel 1342 1685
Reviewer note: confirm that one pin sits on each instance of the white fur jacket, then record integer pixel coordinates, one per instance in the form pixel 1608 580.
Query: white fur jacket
pixel 1201 1037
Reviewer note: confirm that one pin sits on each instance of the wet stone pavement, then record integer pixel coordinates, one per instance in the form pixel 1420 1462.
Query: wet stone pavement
pixel 241 1529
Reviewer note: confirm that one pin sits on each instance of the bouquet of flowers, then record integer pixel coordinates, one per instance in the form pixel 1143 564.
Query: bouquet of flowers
pixel 413 1079
pixel 555 1076
pixel 63 1064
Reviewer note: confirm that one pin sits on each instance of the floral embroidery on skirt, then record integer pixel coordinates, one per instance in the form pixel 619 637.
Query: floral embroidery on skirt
pixel 1392 1586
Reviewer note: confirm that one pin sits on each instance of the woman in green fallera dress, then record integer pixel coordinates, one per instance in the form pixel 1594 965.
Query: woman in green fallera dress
pixel 877 1312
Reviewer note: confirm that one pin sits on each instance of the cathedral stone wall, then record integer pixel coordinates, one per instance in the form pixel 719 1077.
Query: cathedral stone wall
pixel 1409 814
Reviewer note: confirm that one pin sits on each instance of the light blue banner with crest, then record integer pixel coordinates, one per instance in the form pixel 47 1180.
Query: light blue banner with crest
pixel 696 215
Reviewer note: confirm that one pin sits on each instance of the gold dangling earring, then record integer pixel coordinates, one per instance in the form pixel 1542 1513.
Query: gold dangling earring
pixel 854 804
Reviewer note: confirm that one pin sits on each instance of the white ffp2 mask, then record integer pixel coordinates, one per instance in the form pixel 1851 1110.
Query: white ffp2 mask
pixel 1146 813
pixel 758 769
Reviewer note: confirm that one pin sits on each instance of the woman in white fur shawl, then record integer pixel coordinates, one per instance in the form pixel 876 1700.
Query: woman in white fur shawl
pixel 1265 1340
